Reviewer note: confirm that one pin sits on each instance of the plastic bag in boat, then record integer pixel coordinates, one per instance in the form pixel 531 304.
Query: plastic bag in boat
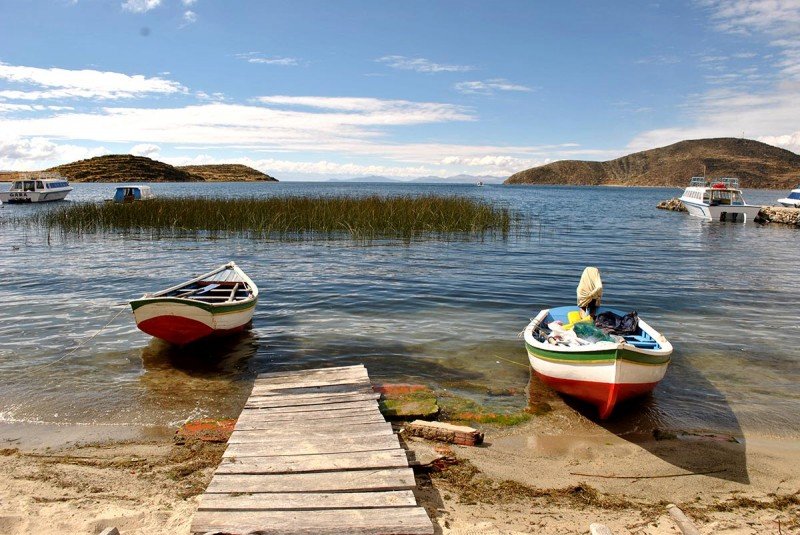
pixel 590 333
pixel 590 288
pixel 613 324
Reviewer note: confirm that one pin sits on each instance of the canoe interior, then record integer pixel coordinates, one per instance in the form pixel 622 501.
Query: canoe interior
pixel 225 286
pixel 640 338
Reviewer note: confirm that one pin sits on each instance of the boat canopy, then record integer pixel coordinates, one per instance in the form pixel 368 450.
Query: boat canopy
pixel 132 193
pixel 794 195
pixel 722 183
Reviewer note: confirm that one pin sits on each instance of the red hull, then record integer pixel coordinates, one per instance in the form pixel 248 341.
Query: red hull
pixel 604 395
pixel 179 330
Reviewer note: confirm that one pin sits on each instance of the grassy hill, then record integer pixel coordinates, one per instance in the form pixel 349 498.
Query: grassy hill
pixel 757 164
pixel 128 168
pixel 228 173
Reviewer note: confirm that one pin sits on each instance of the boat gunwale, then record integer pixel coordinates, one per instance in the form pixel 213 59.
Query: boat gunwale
pixel 216 308
pixel 600 347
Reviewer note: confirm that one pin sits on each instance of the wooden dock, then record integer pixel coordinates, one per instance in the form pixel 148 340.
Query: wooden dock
pixel 312 454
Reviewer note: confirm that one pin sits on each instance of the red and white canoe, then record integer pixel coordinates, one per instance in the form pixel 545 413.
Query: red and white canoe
pixel 220 302
pixel 602 373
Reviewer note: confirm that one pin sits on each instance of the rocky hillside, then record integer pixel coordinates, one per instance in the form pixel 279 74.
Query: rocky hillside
pixel 228 173
pixel 128 168
pixel 757 164
pixel 123 168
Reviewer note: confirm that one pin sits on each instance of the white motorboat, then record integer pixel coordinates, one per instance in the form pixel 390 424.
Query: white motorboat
pixel 42 187
pixel 718 199
pixel 793 199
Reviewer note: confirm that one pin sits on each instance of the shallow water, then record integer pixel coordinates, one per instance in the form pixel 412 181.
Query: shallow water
pixel 446 313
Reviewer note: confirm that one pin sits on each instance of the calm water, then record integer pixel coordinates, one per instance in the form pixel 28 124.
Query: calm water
pixel 435 312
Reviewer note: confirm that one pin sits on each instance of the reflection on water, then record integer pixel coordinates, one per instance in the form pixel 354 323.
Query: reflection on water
pixel 438 312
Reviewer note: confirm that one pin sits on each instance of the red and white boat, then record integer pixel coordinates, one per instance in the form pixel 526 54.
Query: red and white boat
pixel 219 302
pixel 604 372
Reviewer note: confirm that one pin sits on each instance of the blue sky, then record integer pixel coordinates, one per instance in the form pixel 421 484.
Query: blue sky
pixel 323 89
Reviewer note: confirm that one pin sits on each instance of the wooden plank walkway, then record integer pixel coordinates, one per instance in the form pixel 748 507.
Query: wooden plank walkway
pixel 312 454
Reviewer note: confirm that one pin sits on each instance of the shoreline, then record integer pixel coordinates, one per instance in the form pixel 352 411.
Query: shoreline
pixel 555 473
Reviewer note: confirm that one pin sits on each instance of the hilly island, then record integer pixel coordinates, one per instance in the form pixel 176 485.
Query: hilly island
pixel 756 164
pixel 129 168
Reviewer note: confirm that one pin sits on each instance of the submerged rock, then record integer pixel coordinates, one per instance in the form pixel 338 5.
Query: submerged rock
pixel 407 402
pixel 672 204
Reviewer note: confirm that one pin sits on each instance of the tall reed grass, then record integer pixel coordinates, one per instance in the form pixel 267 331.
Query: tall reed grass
pixel 359 217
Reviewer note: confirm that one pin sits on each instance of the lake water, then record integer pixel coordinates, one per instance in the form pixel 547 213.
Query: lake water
pixel 444 313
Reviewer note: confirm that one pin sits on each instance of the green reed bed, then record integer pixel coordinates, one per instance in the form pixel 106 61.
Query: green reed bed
pixel 361 217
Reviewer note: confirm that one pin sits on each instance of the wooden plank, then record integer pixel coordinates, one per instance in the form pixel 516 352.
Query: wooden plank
pixel 331 425
pixel 332 373
pixel 309 382
pixel 297 447
pixel 282 464
pixel 307 501
pixel 262 436
pixel 331 389
pixel 258 416
pixel 315 371
pixel 360 418
pixel 360 404
pixel 307 399
pixel 353 481
pixel 311 444
pixel 388 521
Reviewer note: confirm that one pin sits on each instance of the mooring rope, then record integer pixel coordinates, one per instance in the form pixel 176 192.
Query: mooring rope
pixel 73 350
pixel 512 361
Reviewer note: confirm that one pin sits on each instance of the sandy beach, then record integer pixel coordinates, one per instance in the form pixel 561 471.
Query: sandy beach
pixel 556 473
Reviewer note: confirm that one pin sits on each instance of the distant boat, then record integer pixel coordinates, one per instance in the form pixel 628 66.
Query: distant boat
pixel 793 199
pixel 41 187
pixel 133 193
pixel 479 183
pixel 219 302
pixel 718 200
pixel 602 373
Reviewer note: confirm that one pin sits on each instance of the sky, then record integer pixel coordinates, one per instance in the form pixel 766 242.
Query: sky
pixel 314 90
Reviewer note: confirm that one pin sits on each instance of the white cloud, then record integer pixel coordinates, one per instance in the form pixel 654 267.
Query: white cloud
pixel 140 6
pixel 751 104
pixel 421 65
pixel 86 83
pixel 255 57
pixel 189 2
pixel 36 153
pixel 189 17
pixel 488 87
pixel 146 149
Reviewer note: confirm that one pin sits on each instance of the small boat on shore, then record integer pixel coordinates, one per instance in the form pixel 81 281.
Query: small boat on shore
pixel 718 199
pixel 600 372
pixel 40 187
pixel 792 200
pixel 219 302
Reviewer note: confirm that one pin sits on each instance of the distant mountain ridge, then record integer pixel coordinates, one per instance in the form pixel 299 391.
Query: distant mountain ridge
pixel 129 168
pixel 756 164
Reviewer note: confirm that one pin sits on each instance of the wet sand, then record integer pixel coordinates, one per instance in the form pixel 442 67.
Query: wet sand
pixel 556 473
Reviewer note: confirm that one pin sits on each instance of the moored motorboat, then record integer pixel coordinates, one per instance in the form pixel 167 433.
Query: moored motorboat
pixel 603 372
pixel 37 187
pixel 219 302
pixel 793 199
pixel 717 199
